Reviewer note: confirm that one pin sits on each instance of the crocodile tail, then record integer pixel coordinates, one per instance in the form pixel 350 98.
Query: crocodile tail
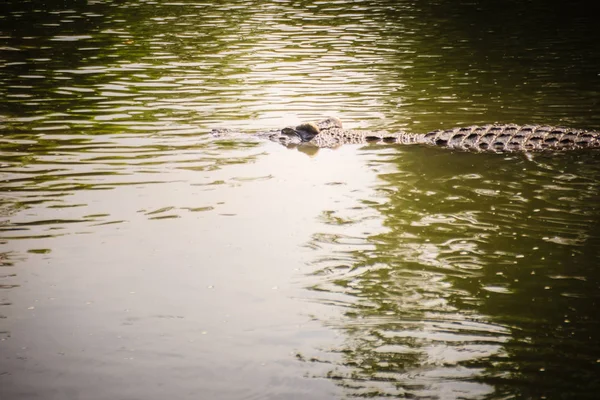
pixel 511 137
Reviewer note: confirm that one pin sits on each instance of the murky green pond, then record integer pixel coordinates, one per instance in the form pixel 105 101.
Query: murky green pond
pixel 142 258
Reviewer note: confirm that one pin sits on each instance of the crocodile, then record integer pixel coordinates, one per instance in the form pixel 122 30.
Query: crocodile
pixel 329 133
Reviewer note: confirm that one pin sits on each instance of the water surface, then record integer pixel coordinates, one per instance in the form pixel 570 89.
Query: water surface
pixel 143 259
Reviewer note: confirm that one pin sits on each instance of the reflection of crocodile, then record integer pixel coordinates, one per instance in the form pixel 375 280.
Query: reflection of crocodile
pixel 497 138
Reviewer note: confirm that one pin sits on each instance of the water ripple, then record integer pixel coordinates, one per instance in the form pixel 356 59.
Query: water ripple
pixel 431 272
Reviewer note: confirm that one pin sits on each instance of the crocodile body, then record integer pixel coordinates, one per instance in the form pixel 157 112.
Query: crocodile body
pixel 329 133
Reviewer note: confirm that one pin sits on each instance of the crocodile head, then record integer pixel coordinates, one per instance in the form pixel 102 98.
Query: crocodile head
pixel 290 136
pixel 308 130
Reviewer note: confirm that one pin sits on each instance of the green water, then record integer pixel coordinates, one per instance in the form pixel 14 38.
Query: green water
pixel 141 258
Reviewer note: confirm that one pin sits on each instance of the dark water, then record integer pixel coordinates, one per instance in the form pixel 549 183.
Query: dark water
pixel 143 259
